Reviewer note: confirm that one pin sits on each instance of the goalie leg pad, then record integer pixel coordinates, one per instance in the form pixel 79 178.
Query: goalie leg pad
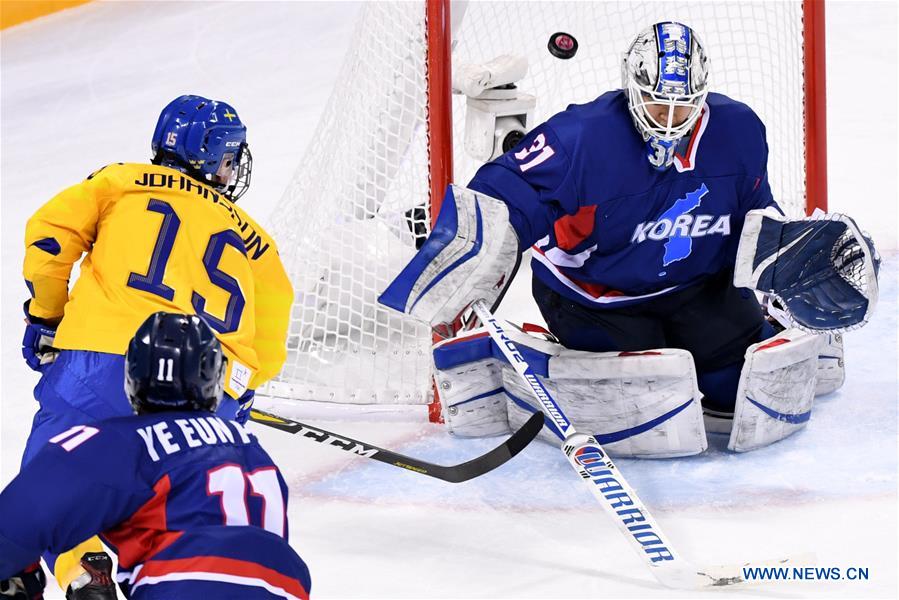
pixel 776 391
pixel 831 370
pixel 643 404
pixel 469 373
pixel 471 388
pixel 472 253
pixel 638 405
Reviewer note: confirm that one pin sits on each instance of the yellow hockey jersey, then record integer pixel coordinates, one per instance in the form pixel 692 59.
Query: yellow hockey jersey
pixel 157 239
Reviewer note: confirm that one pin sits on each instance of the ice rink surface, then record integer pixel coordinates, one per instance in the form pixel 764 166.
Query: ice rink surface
pixel 83 88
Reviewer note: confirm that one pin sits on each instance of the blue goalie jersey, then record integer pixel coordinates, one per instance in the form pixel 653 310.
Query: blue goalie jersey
pixel 607 228
pixel 185 499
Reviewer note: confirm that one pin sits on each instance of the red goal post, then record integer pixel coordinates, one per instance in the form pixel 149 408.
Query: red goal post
pixel 389 142
pixel 440 119
pixel 815 113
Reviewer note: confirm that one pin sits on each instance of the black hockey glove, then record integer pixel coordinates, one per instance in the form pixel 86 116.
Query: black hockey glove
pixel 37 343
pixel 27 584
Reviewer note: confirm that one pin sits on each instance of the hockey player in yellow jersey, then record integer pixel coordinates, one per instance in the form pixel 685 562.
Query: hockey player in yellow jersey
pixel 166 236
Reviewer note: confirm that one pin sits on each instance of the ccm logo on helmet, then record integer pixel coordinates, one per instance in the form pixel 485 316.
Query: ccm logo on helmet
pixel 232 144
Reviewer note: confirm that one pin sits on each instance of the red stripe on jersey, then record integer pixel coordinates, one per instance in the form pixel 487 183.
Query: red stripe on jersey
pixel 571 230
pixel 774 344
pixel 144 533
pixel 222 566
pixel 597 290
pixel 685 161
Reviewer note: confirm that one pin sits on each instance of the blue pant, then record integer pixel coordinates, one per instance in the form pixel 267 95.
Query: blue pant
pixel 712 319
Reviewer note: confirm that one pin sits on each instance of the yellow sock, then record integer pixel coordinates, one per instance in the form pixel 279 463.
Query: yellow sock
pixel 68 564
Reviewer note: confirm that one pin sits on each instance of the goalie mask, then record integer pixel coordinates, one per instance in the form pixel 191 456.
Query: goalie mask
pixel 665 75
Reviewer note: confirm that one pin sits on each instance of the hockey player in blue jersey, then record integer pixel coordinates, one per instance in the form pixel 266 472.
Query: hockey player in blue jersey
pixel 162 236
pixel 634 206
pixel 191 504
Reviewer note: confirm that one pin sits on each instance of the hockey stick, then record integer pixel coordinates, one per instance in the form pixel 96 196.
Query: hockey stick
pixel 452 473
pixel 607 484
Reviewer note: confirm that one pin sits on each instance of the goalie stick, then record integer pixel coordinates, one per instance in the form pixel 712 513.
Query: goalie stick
pixel 607 484
pixel 452 473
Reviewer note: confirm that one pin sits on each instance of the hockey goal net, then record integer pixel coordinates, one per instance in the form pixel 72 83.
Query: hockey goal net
pixel 368 187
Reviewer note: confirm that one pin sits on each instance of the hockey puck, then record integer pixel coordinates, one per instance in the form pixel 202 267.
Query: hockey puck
pixel 562 45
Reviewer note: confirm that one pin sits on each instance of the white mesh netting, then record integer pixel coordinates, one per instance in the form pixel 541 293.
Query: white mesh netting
pixel 359 200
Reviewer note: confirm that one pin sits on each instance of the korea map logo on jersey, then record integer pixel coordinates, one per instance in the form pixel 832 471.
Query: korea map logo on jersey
pixel 680 245
pixel 678 225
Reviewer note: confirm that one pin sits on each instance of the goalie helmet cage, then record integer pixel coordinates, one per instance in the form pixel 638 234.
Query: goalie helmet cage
pixel 390 140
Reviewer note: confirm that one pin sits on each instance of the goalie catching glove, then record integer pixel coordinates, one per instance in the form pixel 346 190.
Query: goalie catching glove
pixel 823 270
pixel 471 254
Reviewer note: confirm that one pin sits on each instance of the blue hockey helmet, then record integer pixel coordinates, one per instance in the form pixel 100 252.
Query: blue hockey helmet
pixel 207 140
pixel 174 362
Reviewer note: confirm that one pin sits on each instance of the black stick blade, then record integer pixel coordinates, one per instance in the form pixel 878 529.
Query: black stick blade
pixel 496 457
pixel 451 473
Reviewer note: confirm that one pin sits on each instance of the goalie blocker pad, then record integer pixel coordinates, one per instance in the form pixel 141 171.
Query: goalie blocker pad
pixel 823 270
pixel 472 253
pixel 638 404
pixel 777 389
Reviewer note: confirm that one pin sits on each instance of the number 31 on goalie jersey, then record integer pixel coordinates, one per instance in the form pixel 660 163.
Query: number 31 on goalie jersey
pixel 151 281
pixel 535 154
